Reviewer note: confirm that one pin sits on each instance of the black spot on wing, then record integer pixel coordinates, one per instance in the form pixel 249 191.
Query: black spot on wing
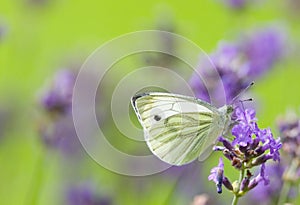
pixel 157 117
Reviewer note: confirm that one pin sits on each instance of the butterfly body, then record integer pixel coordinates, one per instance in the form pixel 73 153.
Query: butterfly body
pixel 178 129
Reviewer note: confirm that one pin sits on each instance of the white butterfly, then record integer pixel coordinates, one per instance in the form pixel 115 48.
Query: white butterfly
pixel 178 128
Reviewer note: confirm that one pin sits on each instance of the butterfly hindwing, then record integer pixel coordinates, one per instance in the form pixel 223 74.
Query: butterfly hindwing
pixel 176 127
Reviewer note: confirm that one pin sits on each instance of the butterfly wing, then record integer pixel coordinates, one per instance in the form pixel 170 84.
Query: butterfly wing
pixel 178 129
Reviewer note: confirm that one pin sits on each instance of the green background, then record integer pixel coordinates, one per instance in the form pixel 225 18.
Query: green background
pixel 44 37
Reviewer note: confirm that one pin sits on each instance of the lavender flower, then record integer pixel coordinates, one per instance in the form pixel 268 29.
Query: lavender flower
pixel 57 129
pixel 60 134
pixel 216 175
pixel 268 194
pixel 262 49
pixel 259 178
pixel 239 63
pixel 285 176
pixel 59 97
pixel 85 195
pixel 251 147
pixel 289 128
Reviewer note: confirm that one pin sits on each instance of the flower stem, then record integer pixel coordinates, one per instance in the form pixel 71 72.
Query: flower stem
pixel 236 194
pixel 287 181
pixel 235 200
pixel 284 193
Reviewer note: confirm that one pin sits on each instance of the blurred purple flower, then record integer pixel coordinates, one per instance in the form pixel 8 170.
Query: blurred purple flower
pixel 236 4
pixel 85 195
pixel 261 177
pixel 57 130
pixel 263 49
pixel 268 194
pixel 225 61
pixel 289 128
pixel 3 31
pixel 59 96
pixel 60 134
pixel 239 63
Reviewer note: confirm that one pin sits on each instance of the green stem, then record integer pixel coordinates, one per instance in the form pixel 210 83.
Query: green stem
pixel 284 192
pixel 235 200
pixel 288 177
pixel 236 193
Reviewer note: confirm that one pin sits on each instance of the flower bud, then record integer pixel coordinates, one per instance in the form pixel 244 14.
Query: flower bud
pixel 226 143
pixel 227 184
pixel 219 180
pixel 228 154
pixel 236 162
pixel 243 149
pixel 252 184
pixel 244 184
pixel 260 160
pixel 255 143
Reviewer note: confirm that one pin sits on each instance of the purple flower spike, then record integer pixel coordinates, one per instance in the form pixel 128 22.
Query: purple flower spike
pixel 238 63
pixel 245 128
pixel 242 134
pixel 59 97
pixel 251 147
pixel 289 127
pixel 270 143
pixel 263 49
pixel 246 117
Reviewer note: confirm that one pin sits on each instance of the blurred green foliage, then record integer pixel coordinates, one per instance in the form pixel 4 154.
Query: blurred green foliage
pixel 43 36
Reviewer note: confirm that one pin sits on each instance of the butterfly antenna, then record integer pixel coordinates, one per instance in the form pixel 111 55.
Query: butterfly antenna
pixel 242 92
pixel 246 100
pixel 242 102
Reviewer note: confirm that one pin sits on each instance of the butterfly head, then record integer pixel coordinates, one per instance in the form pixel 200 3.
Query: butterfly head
pixel 226 110
pixel 229 109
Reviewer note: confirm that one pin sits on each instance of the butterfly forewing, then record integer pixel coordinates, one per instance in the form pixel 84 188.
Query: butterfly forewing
pixel 176 127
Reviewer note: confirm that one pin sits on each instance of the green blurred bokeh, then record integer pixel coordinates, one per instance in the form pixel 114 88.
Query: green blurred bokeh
pixel 43 36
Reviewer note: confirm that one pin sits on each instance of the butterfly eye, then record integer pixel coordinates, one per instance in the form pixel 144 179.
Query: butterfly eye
pixel 229 109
